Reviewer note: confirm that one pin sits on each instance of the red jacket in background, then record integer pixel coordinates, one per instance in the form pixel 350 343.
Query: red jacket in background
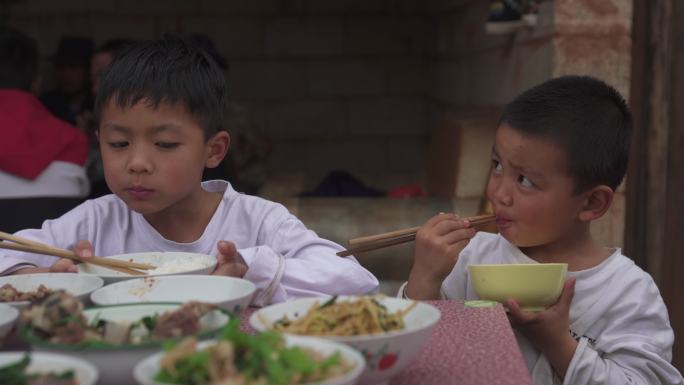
pixel 31 137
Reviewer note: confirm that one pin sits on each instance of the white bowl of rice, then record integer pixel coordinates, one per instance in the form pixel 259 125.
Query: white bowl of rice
pixel 167 263
pixel 388 346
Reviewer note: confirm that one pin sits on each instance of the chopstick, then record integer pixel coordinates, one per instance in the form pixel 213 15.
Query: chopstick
pixel 379 241
pixel 23 244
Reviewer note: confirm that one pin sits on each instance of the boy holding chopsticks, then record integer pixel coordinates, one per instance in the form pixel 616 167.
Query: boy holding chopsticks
pixel 560 151
pixel 160 112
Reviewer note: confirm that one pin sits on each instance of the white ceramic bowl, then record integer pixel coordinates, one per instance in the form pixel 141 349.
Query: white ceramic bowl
pixel 116 362
pixel 145 371
pixel 386 354
pixel 232 294
pixel 85 372
pixel 8 317
pixel 204 265
pixel 75 284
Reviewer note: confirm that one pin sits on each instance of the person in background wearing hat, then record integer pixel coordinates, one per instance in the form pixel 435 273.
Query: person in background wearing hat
pixel 40 155
pixel 72 94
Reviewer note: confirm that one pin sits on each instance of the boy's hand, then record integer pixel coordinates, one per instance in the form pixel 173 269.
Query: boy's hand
pixel 229 262
pixel 548 330
pixel 438 244
pixel 83 249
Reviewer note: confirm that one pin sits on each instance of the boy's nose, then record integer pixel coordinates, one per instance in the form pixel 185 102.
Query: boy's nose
pixel 502 194
pixel 139 164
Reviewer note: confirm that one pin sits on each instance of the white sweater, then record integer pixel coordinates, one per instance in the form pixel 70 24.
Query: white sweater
pixel 617 316
pixel 285 259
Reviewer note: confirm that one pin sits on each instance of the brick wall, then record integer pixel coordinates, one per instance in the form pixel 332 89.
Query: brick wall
pixel 334 84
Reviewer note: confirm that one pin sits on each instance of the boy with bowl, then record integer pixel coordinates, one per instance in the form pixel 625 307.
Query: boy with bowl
pixel 560 151
pixel 160 111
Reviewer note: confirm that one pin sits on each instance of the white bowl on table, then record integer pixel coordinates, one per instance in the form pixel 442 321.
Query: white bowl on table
pixel 229 293
pixel 79 286
pixel 167 263
pixel 8 317
pixel 387 354
pixel 85 373
pixel 147 369
pixel 116 362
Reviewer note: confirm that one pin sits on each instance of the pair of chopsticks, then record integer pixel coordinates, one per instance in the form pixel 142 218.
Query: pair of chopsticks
pixel 13 242
pixel 379 241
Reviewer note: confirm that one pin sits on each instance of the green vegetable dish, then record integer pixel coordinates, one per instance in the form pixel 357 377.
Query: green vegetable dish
pixel 241 358
pixel 15 374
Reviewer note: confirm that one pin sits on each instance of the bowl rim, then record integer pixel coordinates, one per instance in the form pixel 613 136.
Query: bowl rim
pixel 491 265
pixel 355 373
pixel 11 311
pixel 93 277
pixel 251 287
pixel 128 276
pixel 254 320
pixel 28 336
pixel 86 365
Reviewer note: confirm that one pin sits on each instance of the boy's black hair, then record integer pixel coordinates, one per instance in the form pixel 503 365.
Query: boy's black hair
pixel 170 70
pixel 18 59
pixel 586 117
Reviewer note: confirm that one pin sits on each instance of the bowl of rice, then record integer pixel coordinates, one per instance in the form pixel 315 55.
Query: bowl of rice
pixel 166 263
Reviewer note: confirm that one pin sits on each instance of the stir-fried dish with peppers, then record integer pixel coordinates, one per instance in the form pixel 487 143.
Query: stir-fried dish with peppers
pixel 239 358
pixel 364 315
pixel 16 374
pixel 59 318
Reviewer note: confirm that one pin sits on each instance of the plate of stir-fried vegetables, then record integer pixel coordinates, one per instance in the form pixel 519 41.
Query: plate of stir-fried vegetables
pixel 268 358
pixel 22 368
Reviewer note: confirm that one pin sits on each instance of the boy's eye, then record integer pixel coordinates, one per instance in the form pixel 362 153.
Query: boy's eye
pixel 496 165
pixel 525 182
pixel 167 145
pixel 118 144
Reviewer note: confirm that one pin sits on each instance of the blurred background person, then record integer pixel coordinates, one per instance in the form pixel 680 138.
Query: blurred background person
pixel 99 63
pixel 71 95
pixel 40 155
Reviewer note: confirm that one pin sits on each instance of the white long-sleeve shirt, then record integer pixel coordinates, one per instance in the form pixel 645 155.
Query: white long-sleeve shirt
pixel 617 315
pixel 285 260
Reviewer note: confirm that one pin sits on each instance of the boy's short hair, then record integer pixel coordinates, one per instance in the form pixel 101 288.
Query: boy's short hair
pixel 18 59
pixel 586 117
pixel 170 70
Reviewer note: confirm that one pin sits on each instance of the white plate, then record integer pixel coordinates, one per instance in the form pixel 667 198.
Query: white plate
pixel 8 317
pixel 145 371
pixel 206 264
pixel 75 284
pixel 232 294
pixel 85 372
pixel 116 362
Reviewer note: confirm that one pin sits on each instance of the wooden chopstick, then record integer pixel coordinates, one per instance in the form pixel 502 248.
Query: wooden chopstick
pixel 23 244
pixel 56 253
pixel 379 241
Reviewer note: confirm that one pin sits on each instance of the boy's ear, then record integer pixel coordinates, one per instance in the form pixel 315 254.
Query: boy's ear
pixel 597 202
pixel 217 148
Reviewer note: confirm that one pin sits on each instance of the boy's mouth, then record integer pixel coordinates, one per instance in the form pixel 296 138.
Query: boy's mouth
pixel 139 192
pixel 502 221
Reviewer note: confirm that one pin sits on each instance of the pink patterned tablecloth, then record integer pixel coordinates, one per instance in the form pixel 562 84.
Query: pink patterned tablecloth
pixel 469 346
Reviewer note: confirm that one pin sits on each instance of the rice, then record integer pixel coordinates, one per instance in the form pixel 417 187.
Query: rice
pixel 179 266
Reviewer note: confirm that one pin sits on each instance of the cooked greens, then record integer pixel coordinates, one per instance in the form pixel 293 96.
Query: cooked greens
pixel 254 359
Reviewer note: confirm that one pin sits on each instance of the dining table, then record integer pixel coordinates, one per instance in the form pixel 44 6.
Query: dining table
pixel 468 346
